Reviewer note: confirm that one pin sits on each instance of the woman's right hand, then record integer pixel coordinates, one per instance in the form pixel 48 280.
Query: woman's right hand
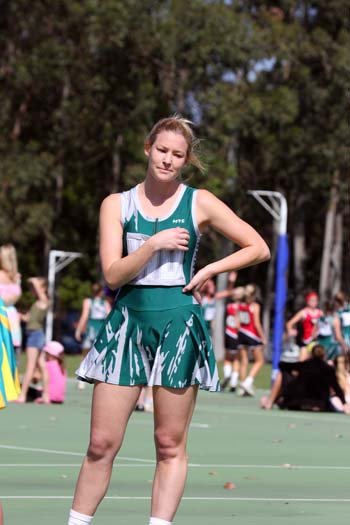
pixel 171 239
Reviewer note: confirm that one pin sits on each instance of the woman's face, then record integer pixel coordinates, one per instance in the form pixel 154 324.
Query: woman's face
pixel 167 156
pixel 312 301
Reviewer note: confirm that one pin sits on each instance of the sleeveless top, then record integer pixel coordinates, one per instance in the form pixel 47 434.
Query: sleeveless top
pixel 36 317
pixel 98 310
pixel 208 305
pixel 310 320
pixel 9 289
pixel 246 319
pixel 325 326
pixel 168 271
pixel 344 314
pixel 231 328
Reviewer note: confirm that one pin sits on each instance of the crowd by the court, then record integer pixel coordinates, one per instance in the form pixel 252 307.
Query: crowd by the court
pixel 314 368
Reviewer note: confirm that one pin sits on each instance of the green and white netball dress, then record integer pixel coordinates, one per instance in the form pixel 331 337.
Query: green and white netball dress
pixel 326 336
pixel 344 315
pixel 155 333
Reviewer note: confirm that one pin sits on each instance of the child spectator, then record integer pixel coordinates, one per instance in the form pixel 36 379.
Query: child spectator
pixel 35 319
pixel 57 375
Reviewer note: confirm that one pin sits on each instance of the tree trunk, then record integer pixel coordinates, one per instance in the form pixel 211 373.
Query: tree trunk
pixel 328 240
pixel 337 254
pixel 299 252
pixel 219 320
pixel 116 165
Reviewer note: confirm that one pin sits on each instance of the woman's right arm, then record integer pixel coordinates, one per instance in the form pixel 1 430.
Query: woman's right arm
pixel 119 270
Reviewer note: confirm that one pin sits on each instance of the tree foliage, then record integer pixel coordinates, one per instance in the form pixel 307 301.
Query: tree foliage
pixel 81 83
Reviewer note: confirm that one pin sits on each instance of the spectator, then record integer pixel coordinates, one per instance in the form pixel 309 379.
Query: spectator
pixel 57 375
pixel 306 385
pixel 9 383
pixel 35 319
pixel 10 290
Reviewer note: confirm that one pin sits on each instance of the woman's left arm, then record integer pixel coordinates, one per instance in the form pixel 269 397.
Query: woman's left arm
pixel 212 212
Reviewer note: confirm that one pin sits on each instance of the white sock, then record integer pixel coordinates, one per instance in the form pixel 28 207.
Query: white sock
pixel 227 370
pixel 234 379
pixel 158 521
pixel 75 518
pixel 248 381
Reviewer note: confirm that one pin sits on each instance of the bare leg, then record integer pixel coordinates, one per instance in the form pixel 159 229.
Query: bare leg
pixel 173 409
pixel 258 361
pixel 32 358
pixel 112 406
pixel 267 402
pixel 243 357
pixel 236 364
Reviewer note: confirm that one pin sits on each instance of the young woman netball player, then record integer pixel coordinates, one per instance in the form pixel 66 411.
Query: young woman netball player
pixel 156 333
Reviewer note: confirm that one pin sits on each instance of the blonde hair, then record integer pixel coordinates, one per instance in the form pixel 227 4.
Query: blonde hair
pixel 178 124
pixel 238 293
pixel 8 260
pixel 250 290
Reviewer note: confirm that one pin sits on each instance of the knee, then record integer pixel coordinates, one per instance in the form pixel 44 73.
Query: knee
pixel 101 448
pixel 169 446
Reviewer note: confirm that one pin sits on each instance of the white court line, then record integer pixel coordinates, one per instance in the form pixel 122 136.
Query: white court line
pixel 314 417
pixel 66 453
pixel 191 465
pixel 200 498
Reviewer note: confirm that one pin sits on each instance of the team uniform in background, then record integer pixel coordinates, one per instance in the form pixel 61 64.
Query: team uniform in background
pixel 155 333
pixel 248 336
pixel 208 305
pixel 98 312
pixel 231 328
pixel 344 314
pixel 9 381
pixel 309 325
pixel 326 336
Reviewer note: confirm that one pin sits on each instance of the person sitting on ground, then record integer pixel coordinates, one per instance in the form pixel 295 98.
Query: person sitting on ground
pixel 307 385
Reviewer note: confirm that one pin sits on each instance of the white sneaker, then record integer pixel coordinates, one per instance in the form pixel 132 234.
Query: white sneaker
pixel 248 389
pixel 240 391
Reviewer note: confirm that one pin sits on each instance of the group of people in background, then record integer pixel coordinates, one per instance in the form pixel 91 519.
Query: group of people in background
pixel 315 367
pixel 43 359
pixel 315 363
pixel 245 338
